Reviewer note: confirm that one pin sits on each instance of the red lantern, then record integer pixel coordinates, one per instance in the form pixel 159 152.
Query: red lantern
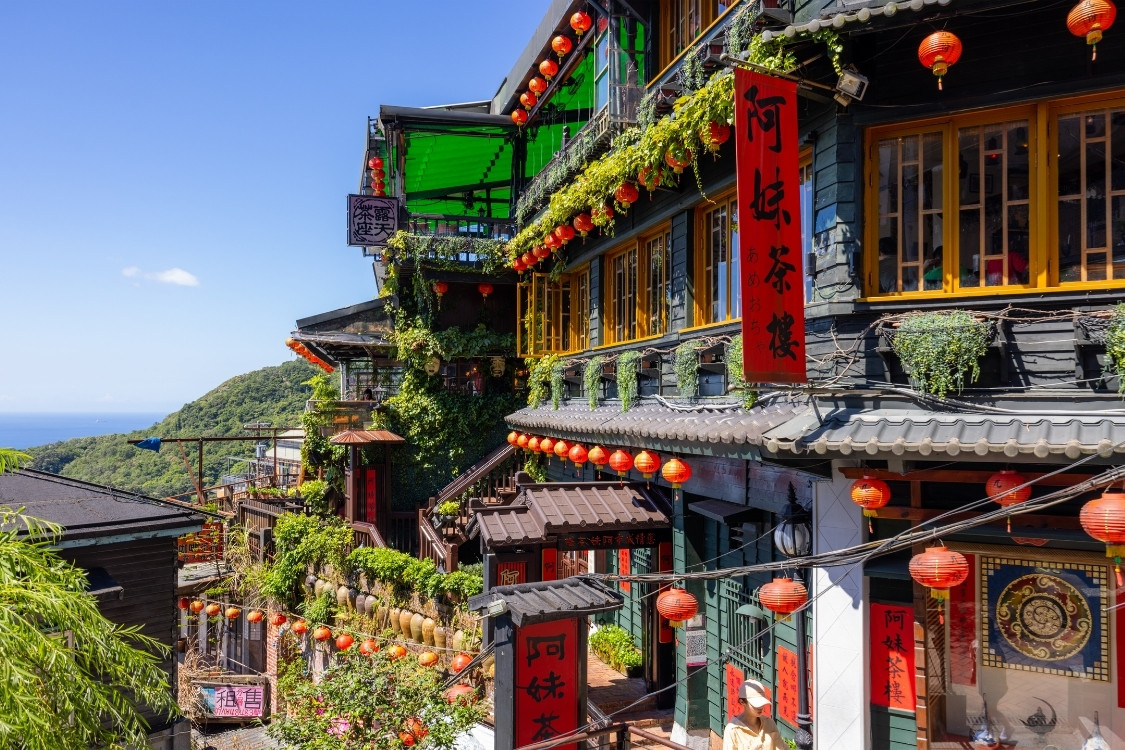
pixel 533 444
pixel 322 633
pixel 598 457
pixel 513 436
pixel 529 260
pixel 547 445
pixel 396 652
pixel 581 23
pixel 578 455
pixel 548 68
pixel 552 241
pixel 528 99
pixel 427 658
pixel 542 252
pixel 562 46
pixel 783 596
pixel 519 117
pixel 300 627
pixel 1089 19
pixel 646 463
pixel 518 266
pixel 676 605
pixel 648 179
pixel 537 85
pixel 212 609
pixel 940 569
pixel 562 449
pixel 565 233
pixel 460 693
pixel 369 647
pixel 677 163
pixel 277 619
pixel 460 662
pixel 715 135
pixel 620 462
pixel 938 51
pixel 602 213
pixel 440 288
pixel 184 603
pixel 375 162
pixel 255 616
pixel 485 289
pixel 1104 519
pixel 676 472
pixel 583 223
pixel 1001 487
pixel 523 440
pixel 870 494
pixel 626 194
pixel 344 641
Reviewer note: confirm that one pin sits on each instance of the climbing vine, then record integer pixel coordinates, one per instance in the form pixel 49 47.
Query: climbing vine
pixel 940 349
pixel 447 253
pixel 557 384
pixel 627 364
pixel 1115 345
pixel 735 380
pixel 686 366
pixel 540 375
pixel 417 343
pixel 592 379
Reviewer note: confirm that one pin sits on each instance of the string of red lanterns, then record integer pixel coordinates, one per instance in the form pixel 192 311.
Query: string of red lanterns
pixel 378 179
pixel 303 351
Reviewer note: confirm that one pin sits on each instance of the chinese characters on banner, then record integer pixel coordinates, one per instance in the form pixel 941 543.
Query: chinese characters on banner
pixel 234 700
pixel 511 573
pixel 546 682
pixel 624 567
pixel 769 229
pixel 892 656
pixel 371 220
pixel 734 678
pixel 787 685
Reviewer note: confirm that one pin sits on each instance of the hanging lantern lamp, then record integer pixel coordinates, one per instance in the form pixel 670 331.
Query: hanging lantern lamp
pixel 518 266
pixel 375 162
pixel 1002 488
pixel 565 233
pixel 528 99
pixel 537 85
pixel 533 444
pixel 547 446
pixel 519 117
pixel 552 241
pixel 322 633
pixel 529 260
pixel 621 462
pixel 1089 19
pixel 562 450
pixel 676 606
pixel 626 194
pixel 940 569
pixel 542 252
pixel 783 596
pixel 440 288
pixel 677 163
pixel 212 609
pixel 485 289
pixel 184 603
pixel 344 641
pixel 277 619
pixel 196 606
pixel 548 68
pixel 715 135
pixel 938 52
pixel 646 463
pixel 583 223
pixel 522 440
pixel 300 627
pixel 578 455
pixel 870 494
pixel 581 23
pixel 255 616
pixel 562 46
pixel 648 179
pixel 1104 519
pixel 598 456
pixel 676 472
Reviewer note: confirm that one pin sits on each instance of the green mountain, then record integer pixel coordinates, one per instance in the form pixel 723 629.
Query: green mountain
pixel 273 394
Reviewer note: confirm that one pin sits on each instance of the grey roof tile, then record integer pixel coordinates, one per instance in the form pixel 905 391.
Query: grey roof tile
pixel 530 603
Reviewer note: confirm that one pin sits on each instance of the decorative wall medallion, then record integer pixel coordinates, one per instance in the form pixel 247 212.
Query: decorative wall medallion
pixel 1043 617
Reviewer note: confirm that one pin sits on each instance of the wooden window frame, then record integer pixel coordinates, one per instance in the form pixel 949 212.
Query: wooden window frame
pixel 1043 199
pixel 709 15
pixel 560 326
pixel 702 257
pixel 642 289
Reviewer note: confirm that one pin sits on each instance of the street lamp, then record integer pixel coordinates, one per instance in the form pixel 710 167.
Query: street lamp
pixel 793 537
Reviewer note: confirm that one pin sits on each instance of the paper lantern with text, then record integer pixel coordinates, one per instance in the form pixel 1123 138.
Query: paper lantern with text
pixel 783 596
pixel 1089 19
pixel 621 462
pixel 1103 518
pixel 938 52
pixel 676 605
pixel 1004 488
pixel 626 194
pixel 870 494
pixel 598 456
pixel 646 463
pixel 676 472
pixel 578 454
pixel 939 569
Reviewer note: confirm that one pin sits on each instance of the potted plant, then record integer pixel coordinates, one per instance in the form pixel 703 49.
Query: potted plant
pixel 446 512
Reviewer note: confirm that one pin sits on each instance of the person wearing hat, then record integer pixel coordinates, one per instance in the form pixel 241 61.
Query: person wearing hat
pixel 750 730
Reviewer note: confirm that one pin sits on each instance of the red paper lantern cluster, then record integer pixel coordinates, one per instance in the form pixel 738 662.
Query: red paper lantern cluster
pixel 940 569
pixel 578 454
pixel 938 52
pixel 783 596
pixel 1089 19
pixel 1104 519
pixel 564 233
pixel 378 178
pixel 303 351
pixel 676 606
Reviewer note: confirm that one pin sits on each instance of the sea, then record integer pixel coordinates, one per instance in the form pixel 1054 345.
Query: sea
pixel 25 430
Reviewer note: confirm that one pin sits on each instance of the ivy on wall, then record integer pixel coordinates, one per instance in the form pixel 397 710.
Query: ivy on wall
pixel 686 366
pixel 1115 345
pixel 735 381
pixel 627 364
pixel 940 350
pixel 592 379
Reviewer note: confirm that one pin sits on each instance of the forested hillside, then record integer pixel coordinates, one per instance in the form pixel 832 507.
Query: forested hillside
pixel 272 394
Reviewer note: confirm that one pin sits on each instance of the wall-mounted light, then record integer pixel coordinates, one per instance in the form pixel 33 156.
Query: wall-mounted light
pixel 850 87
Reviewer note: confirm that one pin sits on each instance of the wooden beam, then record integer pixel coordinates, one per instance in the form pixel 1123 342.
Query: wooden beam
pixel 960 476
pixel 1026 520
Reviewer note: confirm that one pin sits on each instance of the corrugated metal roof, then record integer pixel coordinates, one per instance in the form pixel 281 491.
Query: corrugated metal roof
pixel 530 603
pixel 951 434
pixel 651 422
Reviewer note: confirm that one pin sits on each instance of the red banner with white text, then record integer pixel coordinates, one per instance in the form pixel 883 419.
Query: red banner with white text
pixel 769 229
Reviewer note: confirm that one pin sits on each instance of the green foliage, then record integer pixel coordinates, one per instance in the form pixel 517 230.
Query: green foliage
pixel 301 541
pixel 273 394
pixel 1115 345
pixel 627 364
pixel 11 459
pixel 557 384
pixel 939 349
pixel 614 646
pixel 448 508
pixel 592 379
pixel 465 582
pixel 321 610
pixel 734 373
pixel 402 574
pixel 59 694
pixel 417 343
pixel 535 468
pixel 540 375
pixel 315 492
pixel 381 564
pixel 434 252
pixel 366 702
pixel 686 366
pixel 317 450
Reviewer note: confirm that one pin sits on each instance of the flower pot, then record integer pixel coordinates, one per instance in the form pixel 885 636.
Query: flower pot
pixel 404 618
pixel 395 613
pixel 369 604
pixel 416 626
pixel 428 626
pixel 441 636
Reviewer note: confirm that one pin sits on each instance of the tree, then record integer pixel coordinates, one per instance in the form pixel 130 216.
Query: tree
pixel 68 676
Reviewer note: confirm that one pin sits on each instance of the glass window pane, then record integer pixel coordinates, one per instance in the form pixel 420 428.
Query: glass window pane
pixel 1095 194
pixel 888 255
pixel 910 201
pixel 1117 149
pixel 969 240
pixel 1070 240
pixel 1070 156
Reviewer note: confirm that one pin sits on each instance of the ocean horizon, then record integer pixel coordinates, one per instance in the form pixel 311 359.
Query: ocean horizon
pixel 30 430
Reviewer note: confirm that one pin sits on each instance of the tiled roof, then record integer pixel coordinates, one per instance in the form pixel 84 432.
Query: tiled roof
pixel 652 425
pixel 951 434
pixel 509 526
pixel 530 603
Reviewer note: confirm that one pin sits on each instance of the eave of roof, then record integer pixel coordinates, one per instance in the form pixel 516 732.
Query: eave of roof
pixel 531 603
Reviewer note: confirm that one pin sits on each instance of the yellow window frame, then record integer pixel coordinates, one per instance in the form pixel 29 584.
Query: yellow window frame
pixel 643 280
pixel 541 329
pixel 702 256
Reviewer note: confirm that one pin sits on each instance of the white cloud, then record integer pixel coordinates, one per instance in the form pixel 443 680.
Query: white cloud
pixel 177 276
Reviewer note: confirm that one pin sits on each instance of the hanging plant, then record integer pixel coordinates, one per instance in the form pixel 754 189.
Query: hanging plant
pixel 557 383
pixel 939 349
pixel 540 374
pixel 1115 346
pixel 627 365
pixel 735 381
pixel 447 252
pixel 592 379
pixel 686 365
pixel 535 468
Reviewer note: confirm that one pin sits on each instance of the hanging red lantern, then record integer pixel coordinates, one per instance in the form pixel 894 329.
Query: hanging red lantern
pixel 460 693
pixel 677 159
pixel 547 446
pixel 440 288
pixel 646 463
pixel 513 436
pixel 427 658
pixel 562 45
pixel 277 619
pixel 870 494
pixel 519 117
pixel 603 213
pixel 940 569
pixel 322 633
pixel 255 616
pixel 212 609
pixel 549 68
pixel 485 289
pixel 583 223
pixel 1104 519
pixel 518 266
pixel 460 662
pixel 375 162
pixel 344 641
pixel 528 99
pixel 715 135
pixel 396 651
pixel 783 596
pixel 564 232
pixel 537 85
pixel 1089 19
pixel 533 444
pixel 578 455
pixel 676 606
pixel 523 440
pixel 626 194
pixel 620 462
pixel 551 241
pixel 1002 488
pixel 648 179
pixel 196 606
pixel 581 23
pixel 184 603
pixel 529 260
pixel 676 472
pixel 562 449
pixel 300 627
pixel 369 647
pixel 542 252
pixel 598 457
pixel 938 52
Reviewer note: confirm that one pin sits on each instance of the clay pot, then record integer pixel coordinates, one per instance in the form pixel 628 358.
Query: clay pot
pixel 353 598
pixel 441 636
pixel 318 588
pixel 458 640
pixel 381 612
pixel 368 604
pixel 395 627
pixel 310 583
pixel 404 618
pixel 416 626
pixel 428 626
pixel 342 597
pixel 360 602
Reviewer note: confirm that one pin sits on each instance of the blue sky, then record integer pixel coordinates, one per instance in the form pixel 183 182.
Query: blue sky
pixel 173 177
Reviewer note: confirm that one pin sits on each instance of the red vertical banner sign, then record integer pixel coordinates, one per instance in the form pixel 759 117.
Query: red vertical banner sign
pixel 550 564
pixel 734 678
pixel 769 229
pixel 511 573
pixel 625 567
pixel 370 496
pixel 787 685
pixel 546 683
pixel 892 656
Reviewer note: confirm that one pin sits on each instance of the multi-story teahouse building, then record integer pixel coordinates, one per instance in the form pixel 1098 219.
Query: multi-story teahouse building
pixel 955 173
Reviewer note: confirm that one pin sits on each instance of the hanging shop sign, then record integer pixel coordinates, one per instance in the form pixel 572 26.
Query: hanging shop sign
pixel 233 701
pixel 892 656
pixel 547 688
pixel 608 540
pixel 769 237
pixel 372 220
